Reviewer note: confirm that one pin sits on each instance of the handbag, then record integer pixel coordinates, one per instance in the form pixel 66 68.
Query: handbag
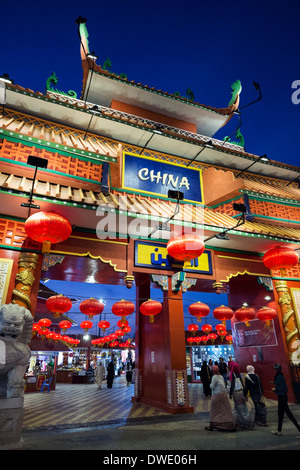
pixel 237 383
pixel 262 398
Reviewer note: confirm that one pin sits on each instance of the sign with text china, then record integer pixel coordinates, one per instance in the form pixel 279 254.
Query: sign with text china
pixel 157 177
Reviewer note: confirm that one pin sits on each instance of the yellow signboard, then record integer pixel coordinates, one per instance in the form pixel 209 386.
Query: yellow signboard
pixel 155 256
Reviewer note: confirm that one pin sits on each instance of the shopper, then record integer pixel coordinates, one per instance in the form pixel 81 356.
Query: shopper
pixel 254 386
pixel 205 379
pixel 283 407
pixel 223 370
pixel 99 373
pixel 110 374
pixel 241 413
pixel 220 409
pixel 128 368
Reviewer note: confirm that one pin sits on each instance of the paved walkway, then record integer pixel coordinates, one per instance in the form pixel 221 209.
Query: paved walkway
pixel 81 417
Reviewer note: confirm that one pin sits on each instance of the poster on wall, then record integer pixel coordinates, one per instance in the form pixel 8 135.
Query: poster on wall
pixel 256 334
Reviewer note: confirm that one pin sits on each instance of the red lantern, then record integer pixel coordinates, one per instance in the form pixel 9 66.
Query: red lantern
pixel 57 337
pixel 50 335
pixel 204 339
pixel 222 333
pixel 122 308
pixel 44 332
pixel 122 323
pixel 47 227
pixel 91 307
pixel 193 328
pixel 266 314
pixel 64 325
pixel 223 313
pixel 220 326
pixel 280 257
pixel 44 323
pixel 199 310
pixel 126 329
pixel 35 328
pixel 206 328
pixel 197 339
pixel 58 304
pixel 86 325
pixel 212 337
pixel 103 324
pixel 190 339
pixel 245 314
pixel 185 247
pixel 151 308
pixel 229 339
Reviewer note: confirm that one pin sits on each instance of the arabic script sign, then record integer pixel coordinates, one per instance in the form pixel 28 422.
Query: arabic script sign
pixel 157 177
pixel 155 256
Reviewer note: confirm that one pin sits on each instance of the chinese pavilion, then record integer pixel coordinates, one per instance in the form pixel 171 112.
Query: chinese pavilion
pixel 129 166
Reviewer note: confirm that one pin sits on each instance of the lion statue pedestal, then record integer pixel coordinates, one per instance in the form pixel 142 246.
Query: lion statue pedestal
pixel 15 334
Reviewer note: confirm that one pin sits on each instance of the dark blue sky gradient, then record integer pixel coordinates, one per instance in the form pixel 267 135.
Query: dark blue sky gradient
pixel 204 45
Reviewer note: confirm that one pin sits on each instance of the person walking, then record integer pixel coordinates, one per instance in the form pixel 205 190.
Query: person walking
pixel 283 407
pixel 205 379
pixel 110 374
pixel 99 373
pixel 254 386
pixel 128 369
pixel 220 409
pixel 241 413
pixel 223 370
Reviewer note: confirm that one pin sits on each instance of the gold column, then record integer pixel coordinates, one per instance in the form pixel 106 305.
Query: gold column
pixel 25 279
pixel 288 315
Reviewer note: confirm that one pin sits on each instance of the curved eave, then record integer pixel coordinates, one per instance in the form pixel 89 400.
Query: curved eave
pixel 102 87
pixel 36 104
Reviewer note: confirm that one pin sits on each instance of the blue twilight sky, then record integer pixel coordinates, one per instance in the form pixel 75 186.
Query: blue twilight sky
pixel 204 45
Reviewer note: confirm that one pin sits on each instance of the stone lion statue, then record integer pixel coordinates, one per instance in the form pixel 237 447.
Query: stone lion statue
pixel 15 335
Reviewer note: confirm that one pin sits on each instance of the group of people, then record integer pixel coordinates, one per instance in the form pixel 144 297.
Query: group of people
pixel 224 418
pixel 100 372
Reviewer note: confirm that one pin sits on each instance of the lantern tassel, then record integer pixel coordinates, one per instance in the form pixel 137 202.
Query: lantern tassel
pixel 46 247
pixel 151 319
pixel 247 323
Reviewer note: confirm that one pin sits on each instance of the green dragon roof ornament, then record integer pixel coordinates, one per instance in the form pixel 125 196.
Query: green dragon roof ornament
pixel 52 80
pixel 236 90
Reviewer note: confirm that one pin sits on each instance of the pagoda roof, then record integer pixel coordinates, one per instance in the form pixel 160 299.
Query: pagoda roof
pixel 44 127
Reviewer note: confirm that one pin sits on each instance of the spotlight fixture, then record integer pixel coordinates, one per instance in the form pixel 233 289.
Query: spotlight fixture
pixel 5 78
pixel 92 56
pixel 262 158
pixel 239 207
pixel 37 162
pixel 222 236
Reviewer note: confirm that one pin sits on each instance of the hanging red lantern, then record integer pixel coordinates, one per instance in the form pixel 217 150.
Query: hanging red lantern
pixel 44 323
pixel 220 326
pixel 229 338
pixel 190 339
pixel 222 333
pixel 223 313
pixel 113 336
pixel 150 308
pixel 50 335
pixel 122 308
pixel 185 247
pixel 57 337
pixel 48 227
pixel 266 314
pixel 91 307
pixel 58 304
pixel 245 314
pixel 199 310
pixel 35 328
pixel 204 339
pixel 122 323
pixel 64 325
pixel 206 328
pixel 103 324
pixel 197 339
pixel 280 257
pixel 193 328
pixel 86 325
pixel 126 329
pixel 43 332
pixel 212 337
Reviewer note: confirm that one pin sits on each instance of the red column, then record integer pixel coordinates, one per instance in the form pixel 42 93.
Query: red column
pixel 160 378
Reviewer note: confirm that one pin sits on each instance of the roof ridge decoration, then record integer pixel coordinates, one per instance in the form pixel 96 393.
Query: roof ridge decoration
pixel 90 64
pixel 52 80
